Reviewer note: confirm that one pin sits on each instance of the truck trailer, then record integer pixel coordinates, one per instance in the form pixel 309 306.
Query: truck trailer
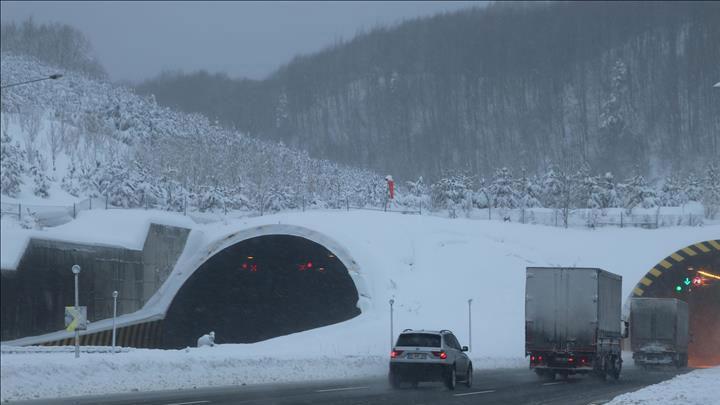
pixel 659 332
pixel 573 321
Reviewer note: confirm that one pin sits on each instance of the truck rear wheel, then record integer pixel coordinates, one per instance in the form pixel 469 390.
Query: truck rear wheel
pixel 616 367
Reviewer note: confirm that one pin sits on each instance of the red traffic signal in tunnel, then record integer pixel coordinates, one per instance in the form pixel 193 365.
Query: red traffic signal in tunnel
pixel 698 281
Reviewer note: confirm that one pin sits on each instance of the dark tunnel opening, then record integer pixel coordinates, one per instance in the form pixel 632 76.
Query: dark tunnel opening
pixel 261 288
pixel 692 281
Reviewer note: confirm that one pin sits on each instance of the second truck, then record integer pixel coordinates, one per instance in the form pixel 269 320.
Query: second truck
pixel 573 321
pixel 659 333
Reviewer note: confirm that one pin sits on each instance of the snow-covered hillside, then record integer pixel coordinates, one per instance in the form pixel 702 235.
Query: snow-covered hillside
pixel 97 139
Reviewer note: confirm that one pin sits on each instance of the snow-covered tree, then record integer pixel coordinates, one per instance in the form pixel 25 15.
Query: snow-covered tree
pixel 502 189
pixel 452 192
pixel 607 194
pixel 528 191
pixel 711 193
pixel 11 166
pixel 672 193
pixel 693 187
pixel 637 192
pixel 41 182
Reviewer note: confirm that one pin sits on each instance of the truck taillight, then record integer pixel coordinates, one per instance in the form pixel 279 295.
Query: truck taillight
pixel 395 353
pixel 440 354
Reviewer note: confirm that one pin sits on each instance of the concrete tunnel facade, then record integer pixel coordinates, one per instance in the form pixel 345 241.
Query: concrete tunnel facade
pixel 247 286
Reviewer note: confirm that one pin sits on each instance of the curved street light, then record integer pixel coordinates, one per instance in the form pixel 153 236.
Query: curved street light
pixel 51 77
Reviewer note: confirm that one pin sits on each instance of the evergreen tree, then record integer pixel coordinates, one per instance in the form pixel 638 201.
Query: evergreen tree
pixel 637 192
pixel 41 182
pixel 607 194
pixel 502 189
pixel 693 188
pixel 711 194
pixel 528 191
pixel 672 193
pixel 11 166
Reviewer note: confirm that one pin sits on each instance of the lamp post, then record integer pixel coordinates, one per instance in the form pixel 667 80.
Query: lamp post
pixel 392 334
pixel 51 77
pixel 470 323
pixel 76 272
pixel 114 295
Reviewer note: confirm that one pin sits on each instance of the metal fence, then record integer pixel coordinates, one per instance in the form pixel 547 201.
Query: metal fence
pixel 53 215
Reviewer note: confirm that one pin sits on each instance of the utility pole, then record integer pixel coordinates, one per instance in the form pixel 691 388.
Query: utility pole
pixel 470 323
pixel 114 295
pixel 76 272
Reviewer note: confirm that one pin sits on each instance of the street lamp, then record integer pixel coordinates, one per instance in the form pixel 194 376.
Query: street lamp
pixel 76 272
pixel 114 295
pixel 392 334
pixel 470 323
pixel 51 77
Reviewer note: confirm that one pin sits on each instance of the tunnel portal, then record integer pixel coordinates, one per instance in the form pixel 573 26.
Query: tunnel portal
pixel 691 275
pixel 260 288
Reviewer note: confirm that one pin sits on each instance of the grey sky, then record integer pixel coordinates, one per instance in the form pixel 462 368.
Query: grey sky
pixel 137 40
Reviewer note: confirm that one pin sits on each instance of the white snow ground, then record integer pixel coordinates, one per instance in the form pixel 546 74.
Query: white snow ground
pixel 699 387
pixel 429 265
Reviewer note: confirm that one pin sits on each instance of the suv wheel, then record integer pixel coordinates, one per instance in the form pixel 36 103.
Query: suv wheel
pixel 451 378
pixel 469 376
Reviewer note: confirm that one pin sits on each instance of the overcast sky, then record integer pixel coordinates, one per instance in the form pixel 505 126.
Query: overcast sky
pixel 137 40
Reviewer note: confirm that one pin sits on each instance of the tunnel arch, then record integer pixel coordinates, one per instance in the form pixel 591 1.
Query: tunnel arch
pixel 673 277
pixel 249 286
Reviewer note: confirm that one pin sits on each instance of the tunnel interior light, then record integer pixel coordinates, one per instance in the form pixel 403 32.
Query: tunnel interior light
pixel 709 275
pixel 331 255
pixel 250 257
pixel 321 269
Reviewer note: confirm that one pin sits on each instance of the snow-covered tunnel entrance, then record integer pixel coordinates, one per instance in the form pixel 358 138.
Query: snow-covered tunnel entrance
pixel 260 288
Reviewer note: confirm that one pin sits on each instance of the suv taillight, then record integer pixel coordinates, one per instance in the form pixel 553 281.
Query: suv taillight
pixel 395 353
pixel 440 354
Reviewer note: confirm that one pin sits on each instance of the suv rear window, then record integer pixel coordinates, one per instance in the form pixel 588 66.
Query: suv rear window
pixel 419 339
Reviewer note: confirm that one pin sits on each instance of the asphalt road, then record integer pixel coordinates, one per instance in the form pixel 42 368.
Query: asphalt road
pixel 509 386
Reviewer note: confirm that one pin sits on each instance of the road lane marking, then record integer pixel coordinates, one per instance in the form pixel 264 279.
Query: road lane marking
pixel 555 383
pixel 474 393
pixel 341 389
pixel 189 403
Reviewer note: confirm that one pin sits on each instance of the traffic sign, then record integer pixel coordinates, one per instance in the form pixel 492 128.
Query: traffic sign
pixel 75 319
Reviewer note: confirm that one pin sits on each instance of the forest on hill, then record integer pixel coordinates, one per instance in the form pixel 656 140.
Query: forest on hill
pixel 621 86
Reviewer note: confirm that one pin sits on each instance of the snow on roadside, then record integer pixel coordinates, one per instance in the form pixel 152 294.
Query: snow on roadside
pixel 57 374
pixel 699 387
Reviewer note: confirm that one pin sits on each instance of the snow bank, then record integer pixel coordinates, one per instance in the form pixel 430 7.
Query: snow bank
pixel 50 375
pixel 699 387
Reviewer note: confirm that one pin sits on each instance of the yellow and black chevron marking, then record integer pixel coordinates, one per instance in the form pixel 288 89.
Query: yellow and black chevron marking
pixel 145 335
pixel 665 265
